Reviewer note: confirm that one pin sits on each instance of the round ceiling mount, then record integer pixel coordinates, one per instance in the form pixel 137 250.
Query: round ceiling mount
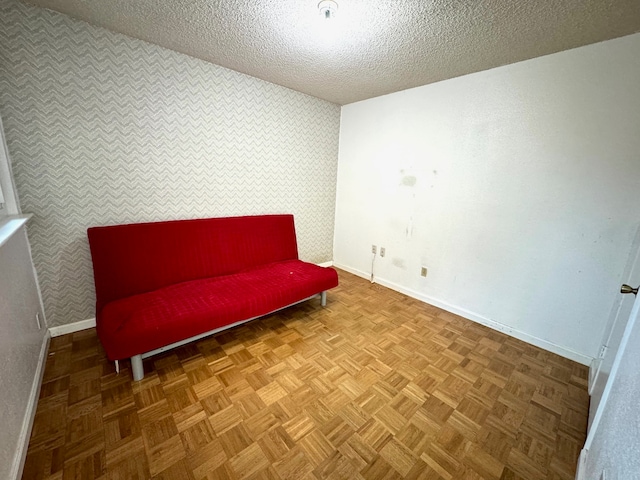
pixel 328 9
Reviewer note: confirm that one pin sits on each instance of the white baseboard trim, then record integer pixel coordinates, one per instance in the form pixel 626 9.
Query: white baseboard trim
pixel 581 472
pixel 500 327
pixel 326 264
pixel 32 405
pixel 72 327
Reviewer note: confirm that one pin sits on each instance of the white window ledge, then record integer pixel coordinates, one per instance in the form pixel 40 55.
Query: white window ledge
pixel 10 225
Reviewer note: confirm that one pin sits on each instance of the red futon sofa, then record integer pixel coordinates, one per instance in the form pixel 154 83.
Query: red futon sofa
pixel 160 285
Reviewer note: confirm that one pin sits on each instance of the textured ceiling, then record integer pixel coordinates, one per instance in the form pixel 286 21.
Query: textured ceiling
pixel 371 47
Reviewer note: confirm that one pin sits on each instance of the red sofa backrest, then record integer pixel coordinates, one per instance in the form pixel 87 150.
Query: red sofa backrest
pixel 141 257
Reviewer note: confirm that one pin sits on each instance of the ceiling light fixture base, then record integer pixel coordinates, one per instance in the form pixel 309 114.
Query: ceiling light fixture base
pixel 328 9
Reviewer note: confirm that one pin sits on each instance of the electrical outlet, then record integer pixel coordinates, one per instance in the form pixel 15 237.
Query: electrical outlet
pixel 374 250
pixel 423 272
pixel 603 351
pixel 382 251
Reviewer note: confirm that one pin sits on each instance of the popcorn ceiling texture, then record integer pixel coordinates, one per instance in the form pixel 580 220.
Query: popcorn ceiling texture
pixel 105 129
pixel 372 47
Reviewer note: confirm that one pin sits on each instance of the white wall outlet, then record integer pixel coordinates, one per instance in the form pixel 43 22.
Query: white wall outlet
pixel 603 351
pixel 382 251
pixel 423 272
pixel 374 250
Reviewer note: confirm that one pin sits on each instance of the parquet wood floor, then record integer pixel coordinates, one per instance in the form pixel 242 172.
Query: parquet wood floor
pixel 374 386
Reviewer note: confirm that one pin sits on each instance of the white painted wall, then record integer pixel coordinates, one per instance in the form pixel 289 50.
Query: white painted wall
pixel 22 349
pixel 23 343
pixel 517 187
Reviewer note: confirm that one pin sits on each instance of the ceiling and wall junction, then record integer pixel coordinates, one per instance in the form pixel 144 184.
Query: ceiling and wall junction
pixel 371 47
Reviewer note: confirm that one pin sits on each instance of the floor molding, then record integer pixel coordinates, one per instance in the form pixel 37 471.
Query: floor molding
pixel 500 327
pixel 30 413
pixel 72 327
pixel 325 264
pixel 581 472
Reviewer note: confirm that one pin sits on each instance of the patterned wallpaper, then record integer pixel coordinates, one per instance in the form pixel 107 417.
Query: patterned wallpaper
pixel 105 129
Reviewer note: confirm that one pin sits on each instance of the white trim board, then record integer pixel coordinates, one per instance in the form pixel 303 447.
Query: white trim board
pixel 581 472
pixel 325 264
pixel 500 327
pixel 10 225
pixel 32 405
pixel 72 327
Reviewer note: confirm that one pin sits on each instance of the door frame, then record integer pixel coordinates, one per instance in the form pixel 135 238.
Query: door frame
pixel 632 266
pixel 593 430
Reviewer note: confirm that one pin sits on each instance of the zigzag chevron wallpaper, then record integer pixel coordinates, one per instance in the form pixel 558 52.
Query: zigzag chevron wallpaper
pixel 105 129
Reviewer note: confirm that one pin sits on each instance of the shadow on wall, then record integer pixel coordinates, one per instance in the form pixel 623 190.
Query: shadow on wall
pixel 76 274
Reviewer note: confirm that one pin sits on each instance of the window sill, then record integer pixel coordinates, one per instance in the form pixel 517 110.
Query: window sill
pixel 10 225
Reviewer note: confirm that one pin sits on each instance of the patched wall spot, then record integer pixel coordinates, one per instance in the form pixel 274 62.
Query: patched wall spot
pixel 409 180
pixel 398 262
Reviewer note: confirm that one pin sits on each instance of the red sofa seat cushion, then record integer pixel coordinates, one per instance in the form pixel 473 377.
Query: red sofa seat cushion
pixel 146 321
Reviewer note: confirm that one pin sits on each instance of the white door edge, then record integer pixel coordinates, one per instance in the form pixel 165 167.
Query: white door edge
pixel 594 369
pixel 596 381
pixel 582 464
pixel 614 371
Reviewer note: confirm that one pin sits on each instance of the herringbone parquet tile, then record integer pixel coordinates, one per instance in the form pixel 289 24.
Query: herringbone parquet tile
pixel 376 386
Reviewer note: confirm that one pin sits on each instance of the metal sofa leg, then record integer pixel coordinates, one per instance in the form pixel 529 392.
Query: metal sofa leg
pixel 323 298
pixel 137 368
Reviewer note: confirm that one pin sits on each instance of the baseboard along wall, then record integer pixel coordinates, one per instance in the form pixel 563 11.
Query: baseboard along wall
pixel 72 327
pixel 474 317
